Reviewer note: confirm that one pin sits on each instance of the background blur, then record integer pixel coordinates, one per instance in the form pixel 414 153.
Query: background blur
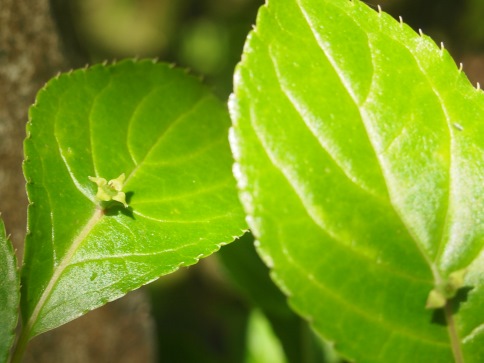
pixel 207 36
pixel 196 314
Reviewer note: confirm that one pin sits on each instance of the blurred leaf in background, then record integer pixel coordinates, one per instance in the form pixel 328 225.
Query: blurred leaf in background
pixel 205 36
pixel 212 37
pixel 472 25
pixel 124 28
pixel 199 317
pixel 250 275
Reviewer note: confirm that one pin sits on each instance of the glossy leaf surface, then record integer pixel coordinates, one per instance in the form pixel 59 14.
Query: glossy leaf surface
pixel 168 135
pixel 9 294
pixel 360 163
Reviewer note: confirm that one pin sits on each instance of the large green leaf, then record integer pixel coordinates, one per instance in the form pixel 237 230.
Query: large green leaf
pixel 168 135
pixel 360 160
pixel 9 294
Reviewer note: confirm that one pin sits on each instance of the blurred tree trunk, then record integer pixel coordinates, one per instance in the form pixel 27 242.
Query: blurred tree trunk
pixel 30 54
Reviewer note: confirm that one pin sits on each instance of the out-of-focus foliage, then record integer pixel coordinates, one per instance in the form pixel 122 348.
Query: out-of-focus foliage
pixel 199 317
pixel 126 27
pixel 472 25
pixel 204 36
pixel 207 36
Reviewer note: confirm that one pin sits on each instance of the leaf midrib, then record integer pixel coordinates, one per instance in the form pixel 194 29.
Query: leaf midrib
pixel 91 223
pixel 453 336
pixel 347 86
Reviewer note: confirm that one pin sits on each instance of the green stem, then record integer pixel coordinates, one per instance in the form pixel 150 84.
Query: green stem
pixel 20 347
pixel 454 339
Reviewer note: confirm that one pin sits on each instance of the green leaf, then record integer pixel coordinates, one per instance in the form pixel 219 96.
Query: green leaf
pixel 263 345
pixel 360 163
pixel 168 135
pixel 9 294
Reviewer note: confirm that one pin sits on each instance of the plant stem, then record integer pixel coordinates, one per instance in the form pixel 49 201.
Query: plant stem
pixel 454 339
pixel 20 347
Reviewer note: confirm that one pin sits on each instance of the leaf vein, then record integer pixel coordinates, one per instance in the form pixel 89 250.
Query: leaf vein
pixel 209 189
pixel 383 323
pixel 166 132
pixel 179 221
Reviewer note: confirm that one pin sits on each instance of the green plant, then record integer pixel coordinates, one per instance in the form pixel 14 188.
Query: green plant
pixel 359 161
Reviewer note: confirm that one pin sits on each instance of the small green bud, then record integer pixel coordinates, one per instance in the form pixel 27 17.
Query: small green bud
pixel 435 300
pixel 111 190
pixel 446 290
pixel 456 279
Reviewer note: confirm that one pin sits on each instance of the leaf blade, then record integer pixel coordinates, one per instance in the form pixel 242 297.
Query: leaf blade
pixel 9 294
pixel 360 153
pixel 102 122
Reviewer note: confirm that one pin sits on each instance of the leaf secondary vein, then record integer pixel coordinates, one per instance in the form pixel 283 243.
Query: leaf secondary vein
pixel 298 107
pixel 476 331
pixel 355 308
pixel 208 220
pixel 172 125
pixel 135 112
pixel 91 121
pixel 347 84
pixel 307 206
pixel 125 257
pixel 226 183
pixel 185 158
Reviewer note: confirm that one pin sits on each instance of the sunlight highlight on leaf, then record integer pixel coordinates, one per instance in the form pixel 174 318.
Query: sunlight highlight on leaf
pixel 363 194
pixel 91 240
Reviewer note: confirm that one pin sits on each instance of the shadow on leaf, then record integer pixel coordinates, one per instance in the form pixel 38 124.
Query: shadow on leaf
pixel 438 317
pixel 113 208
